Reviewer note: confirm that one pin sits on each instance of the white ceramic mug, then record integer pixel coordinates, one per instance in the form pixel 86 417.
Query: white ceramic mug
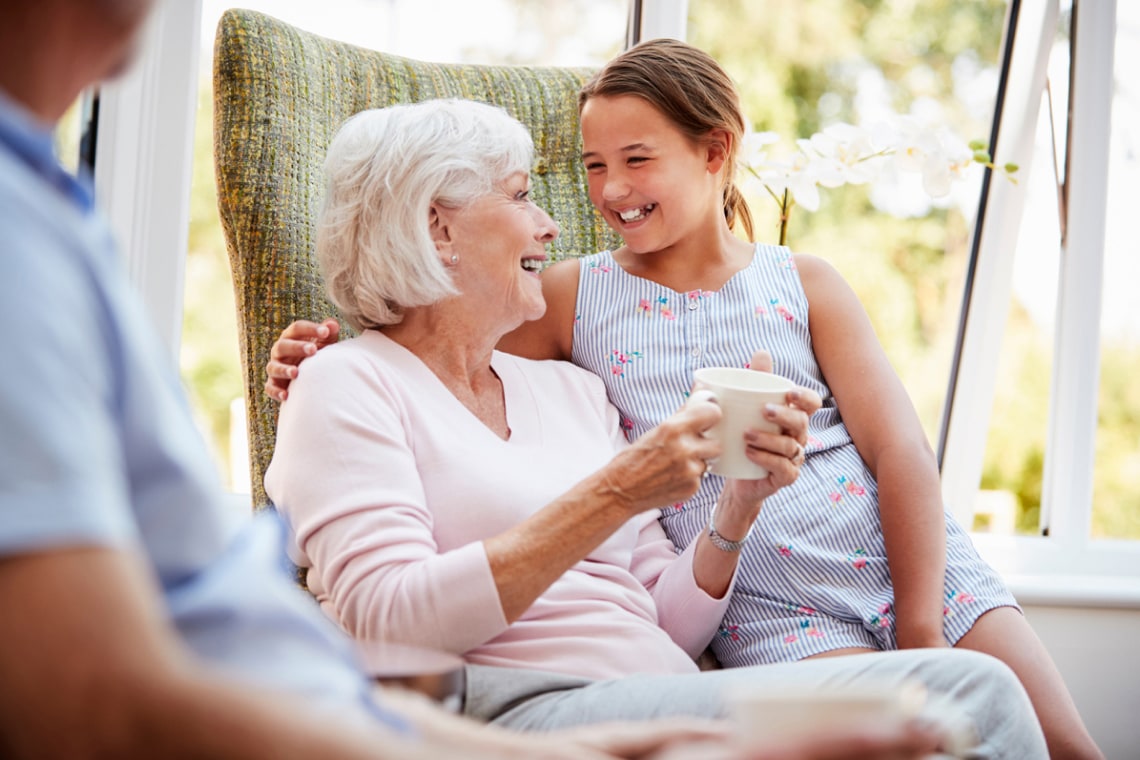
pixel 741 394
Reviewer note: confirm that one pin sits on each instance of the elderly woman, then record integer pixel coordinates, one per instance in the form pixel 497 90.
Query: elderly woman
pixel 448 495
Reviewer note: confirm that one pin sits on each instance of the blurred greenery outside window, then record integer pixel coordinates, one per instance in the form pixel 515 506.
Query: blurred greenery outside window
pixel 799 66
pixel 802 66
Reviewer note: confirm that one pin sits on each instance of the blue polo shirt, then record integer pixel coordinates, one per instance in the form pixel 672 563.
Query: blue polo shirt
pixel 98 447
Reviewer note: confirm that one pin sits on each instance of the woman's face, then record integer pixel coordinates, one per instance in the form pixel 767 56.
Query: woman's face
pixel 501 243
pixel 652 183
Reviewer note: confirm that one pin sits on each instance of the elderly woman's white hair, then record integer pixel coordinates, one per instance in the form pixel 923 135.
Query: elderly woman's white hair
pixel 384 169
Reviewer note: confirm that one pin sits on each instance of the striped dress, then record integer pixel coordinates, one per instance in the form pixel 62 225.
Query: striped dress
pixel 813 575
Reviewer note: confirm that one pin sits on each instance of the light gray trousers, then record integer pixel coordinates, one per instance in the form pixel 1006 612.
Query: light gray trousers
pixel 958 680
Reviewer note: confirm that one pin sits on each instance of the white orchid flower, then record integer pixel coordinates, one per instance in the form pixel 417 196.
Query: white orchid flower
pixel 800 177
pixel 900 151
pixel 946 166
pixel 754 147
pixel 847 152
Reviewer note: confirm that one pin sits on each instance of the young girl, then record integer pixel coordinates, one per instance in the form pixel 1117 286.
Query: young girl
pixel 857 555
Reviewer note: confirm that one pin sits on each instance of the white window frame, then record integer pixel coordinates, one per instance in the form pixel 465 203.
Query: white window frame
pixel 1066 565
pixel 143 173
pixel 660 18
pixel 144 160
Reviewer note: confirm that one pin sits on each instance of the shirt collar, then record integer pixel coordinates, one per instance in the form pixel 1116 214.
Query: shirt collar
pixel 33 142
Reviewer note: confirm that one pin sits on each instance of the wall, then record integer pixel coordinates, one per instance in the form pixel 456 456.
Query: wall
pixel 1096 651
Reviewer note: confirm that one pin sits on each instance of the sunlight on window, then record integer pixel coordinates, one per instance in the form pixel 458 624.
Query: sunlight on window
pixel 68 135
pixel 1009 499
pixel 1116 494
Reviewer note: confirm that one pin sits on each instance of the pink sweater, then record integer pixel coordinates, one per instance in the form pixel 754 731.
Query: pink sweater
pixel 390 486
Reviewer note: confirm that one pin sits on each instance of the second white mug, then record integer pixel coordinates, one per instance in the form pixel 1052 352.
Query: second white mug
pixel 741 394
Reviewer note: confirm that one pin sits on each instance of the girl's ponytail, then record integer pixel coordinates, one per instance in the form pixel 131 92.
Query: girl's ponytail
pixel 736 210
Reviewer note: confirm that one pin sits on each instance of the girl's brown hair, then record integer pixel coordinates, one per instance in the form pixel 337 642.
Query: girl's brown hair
pixel 691 89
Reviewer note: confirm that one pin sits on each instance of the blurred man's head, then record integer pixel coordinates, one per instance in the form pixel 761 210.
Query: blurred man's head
pixel 50 50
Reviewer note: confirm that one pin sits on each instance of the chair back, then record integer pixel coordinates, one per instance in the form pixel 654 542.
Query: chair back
pixel 280 94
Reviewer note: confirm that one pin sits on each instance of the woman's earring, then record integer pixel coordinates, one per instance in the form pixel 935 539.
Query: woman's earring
pixel 454 259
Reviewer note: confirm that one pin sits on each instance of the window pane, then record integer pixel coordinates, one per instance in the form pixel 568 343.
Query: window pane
pixel 1009 499
pixel 1116 489
pixel 69 134
pixel 543 32
pixel 804 65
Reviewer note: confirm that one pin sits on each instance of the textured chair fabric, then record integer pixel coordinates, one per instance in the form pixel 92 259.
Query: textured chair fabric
pixel 279 96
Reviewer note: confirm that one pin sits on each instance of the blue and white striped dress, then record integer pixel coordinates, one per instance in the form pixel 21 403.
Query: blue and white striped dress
pixel 814 573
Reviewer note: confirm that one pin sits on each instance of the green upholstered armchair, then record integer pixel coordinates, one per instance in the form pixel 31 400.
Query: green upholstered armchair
pixel 279 96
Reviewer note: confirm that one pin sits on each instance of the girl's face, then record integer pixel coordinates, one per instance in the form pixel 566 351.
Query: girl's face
pixel 652 183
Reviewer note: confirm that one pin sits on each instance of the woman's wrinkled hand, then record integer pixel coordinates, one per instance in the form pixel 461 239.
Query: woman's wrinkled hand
pixel 666 464
pixel 297 342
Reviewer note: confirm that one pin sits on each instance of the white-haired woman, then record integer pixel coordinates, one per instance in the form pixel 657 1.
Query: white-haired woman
pixel 448 495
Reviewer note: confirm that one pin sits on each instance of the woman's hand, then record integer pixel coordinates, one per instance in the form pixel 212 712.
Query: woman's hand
pixel 662 467
pixel 666 464
pixel 297 342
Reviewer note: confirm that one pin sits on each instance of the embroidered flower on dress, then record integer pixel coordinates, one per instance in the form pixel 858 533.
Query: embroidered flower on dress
pixel 619 360
pixel 646 307
pixel 729 632
pixel 808 629
pixel 601 269
pixel 881 620
pixel 851 486
pixel 781 309
pixel 858 559
pixel 956 597
pixel 785 550
pixel 848 485
pixel 800 609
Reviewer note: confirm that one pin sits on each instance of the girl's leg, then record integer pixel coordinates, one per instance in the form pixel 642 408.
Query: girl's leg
pixel 842 652
pixel 1004 633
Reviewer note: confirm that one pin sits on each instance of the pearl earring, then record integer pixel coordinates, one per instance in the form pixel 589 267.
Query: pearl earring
pixel 454 259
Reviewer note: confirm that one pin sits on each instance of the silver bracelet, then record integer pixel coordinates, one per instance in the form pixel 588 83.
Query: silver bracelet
pixel 720 541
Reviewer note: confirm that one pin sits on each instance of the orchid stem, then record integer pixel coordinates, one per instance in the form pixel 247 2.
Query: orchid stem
pixel 785 215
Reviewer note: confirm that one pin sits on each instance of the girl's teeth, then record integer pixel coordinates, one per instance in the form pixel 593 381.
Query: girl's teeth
pixel 635 214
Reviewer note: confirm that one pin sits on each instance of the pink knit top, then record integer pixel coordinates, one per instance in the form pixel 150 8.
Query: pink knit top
pixel 390 485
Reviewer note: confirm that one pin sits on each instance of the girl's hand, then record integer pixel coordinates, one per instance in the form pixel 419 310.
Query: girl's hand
pixel 297 342
pixel 782 454
pixel 910 635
